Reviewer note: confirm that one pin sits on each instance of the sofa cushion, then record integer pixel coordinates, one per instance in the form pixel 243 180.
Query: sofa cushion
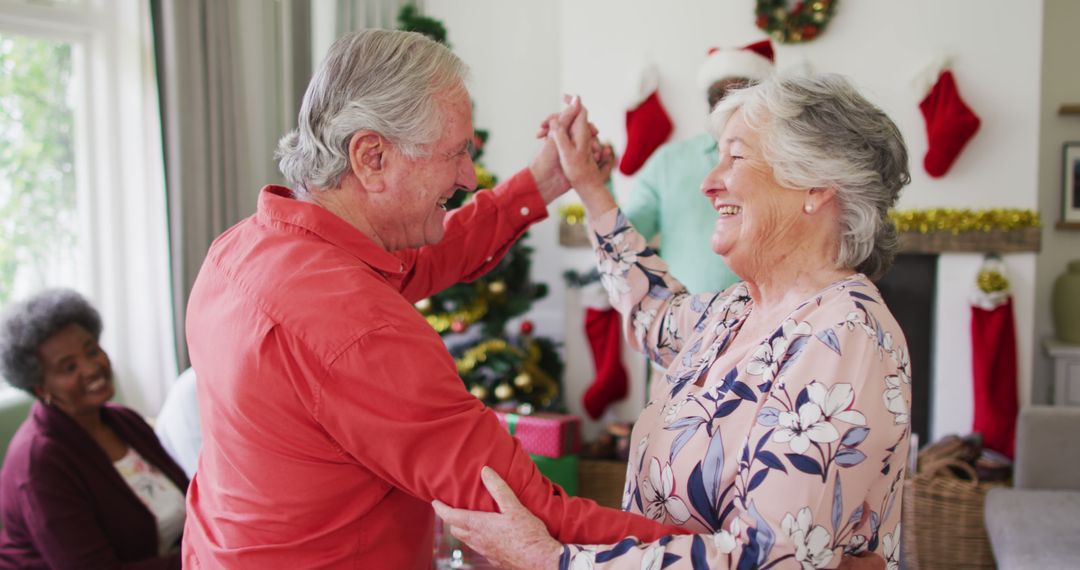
pixel 1034 528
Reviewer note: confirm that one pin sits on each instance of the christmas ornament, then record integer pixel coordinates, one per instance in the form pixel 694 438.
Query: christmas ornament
pixel 993 358
pixel 802 23
pixel 479 392
pixel 950 124
pixel 503 392
pixel 523 381
pixel 753 62
pixel 497 287
pixel 527 327
pixel 458 326
pixel 423 305
pixel 647 124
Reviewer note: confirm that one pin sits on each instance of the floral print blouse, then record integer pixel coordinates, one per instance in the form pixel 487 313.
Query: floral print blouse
pixel 789 454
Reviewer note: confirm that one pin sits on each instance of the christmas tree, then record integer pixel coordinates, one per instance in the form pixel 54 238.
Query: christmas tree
pixel 504 368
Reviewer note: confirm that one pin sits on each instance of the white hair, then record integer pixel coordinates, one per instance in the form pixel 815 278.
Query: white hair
pixel 819 132
pixel 384 81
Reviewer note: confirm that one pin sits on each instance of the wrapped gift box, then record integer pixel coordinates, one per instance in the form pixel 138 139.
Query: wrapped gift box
pixel 545 434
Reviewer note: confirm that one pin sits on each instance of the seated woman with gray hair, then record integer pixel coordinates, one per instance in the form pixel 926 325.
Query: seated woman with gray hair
pixel 85 483
pixel 780 432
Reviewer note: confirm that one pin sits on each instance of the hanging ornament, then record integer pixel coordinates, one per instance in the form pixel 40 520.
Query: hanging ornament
pixel 523 381
pixel 802 23
pixel 423 305
pixel 497 287
pixel 503 392
pixel 479 392
pixel 459 326
pixel 527 327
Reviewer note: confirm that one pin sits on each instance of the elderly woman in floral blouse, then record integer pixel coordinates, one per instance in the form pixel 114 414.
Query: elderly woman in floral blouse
pixel 780 432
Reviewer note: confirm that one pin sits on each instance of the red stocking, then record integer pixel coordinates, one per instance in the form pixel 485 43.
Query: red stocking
pixel 647 127
pixel 950 124
pixel 604 329
pixel 993 366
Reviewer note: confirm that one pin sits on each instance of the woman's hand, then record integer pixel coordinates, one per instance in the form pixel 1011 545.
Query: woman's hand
pixel 511 538
pixel 587 170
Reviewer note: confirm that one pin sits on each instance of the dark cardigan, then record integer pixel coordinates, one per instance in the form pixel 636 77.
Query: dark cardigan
pixel 64 504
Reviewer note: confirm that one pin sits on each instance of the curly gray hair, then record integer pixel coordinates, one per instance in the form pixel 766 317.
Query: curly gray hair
pixel 385 81
pixel 819 132
pixel 25 326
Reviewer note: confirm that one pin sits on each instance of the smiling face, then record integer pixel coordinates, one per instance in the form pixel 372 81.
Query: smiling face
pixel 77 372
pixel 759 221
pixel 421 186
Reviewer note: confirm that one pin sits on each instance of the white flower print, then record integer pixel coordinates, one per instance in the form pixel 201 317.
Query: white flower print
pixel 894 400
pixel 802 428
pixel 613 280
pixel 856 545
pixel 834 404
pixel 811 544
pixel 890 546
pixel 584 560
pixel 767 357
pixel 658 493
pixel 643 321
pixel 725 541
pixel 653 559
pixel 674 410
pixel 622 254
pixel 903 364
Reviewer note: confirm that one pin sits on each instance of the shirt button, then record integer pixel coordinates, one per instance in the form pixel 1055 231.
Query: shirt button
pixel 524 210
pixel 401 267
pixel 489 258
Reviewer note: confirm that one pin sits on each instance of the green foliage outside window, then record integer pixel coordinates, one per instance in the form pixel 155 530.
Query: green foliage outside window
pixel 37 157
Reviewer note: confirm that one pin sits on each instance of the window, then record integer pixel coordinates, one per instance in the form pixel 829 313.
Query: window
pixel 82 200
pixel 39 224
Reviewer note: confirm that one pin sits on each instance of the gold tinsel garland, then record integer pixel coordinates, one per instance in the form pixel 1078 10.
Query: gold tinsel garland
pixel 484 177
pixel 530 373
pixel 959 220
pixel 991 281
pixel 466 315
pixel 954 220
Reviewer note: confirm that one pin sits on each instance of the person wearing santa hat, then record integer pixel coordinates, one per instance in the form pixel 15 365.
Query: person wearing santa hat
pixel 666 200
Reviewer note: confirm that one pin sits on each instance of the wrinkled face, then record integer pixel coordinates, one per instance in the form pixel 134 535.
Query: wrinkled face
pixel 758 219
pixel 420 187
pixel 78 374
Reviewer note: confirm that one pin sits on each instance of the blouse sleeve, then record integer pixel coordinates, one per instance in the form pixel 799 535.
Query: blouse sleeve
pixel 658 313
pixel 821 473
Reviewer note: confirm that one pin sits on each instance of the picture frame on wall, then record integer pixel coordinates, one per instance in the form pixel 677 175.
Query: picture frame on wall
pixel 1070 187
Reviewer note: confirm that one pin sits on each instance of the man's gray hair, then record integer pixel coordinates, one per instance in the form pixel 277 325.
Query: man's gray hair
pixel 819 132
pixel 385 81
pixel 26 325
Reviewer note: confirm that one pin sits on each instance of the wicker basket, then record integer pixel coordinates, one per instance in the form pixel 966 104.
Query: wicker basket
pixel 602 481
pixel 943 518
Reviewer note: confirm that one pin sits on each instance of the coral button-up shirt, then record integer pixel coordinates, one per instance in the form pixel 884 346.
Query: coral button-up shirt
pixel 332 413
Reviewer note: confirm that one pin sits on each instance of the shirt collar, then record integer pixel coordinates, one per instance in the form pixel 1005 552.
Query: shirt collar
pixel 278 205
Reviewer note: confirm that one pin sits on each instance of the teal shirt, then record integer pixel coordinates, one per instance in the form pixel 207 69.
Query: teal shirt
pixel 667 200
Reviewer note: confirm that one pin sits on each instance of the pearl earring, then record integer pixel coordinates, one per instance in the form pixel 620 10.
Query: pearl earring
pixel 808 208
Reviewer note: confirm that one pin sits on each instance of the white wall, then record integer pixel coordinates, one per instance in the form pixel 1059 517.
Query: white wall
pixel 525 52
pixel 1060 84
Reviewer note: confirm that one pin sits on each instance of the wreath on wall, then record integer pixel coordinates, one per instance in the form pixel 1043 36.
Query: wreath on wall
pixel 801 23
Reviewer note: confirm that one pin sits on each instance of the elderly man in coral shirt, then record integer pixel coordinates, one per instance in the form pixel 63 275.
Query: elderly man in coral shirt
pixel 332 413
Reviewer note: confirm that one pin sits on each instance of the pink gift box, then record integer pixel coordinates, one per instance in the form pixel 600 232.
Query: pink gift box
pixel 543 433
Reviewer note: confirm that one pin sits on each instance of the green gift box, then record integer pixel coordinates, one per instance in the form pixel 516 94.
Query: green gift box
pixel 563 471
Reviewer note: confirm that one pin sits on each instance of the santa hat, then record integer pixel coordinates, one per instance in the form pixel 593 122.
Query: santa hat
pixel 754 62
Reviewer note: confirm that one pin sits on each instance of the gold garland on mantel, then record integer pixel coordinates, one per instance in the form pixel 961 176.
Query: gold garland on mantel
pixel 930 230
